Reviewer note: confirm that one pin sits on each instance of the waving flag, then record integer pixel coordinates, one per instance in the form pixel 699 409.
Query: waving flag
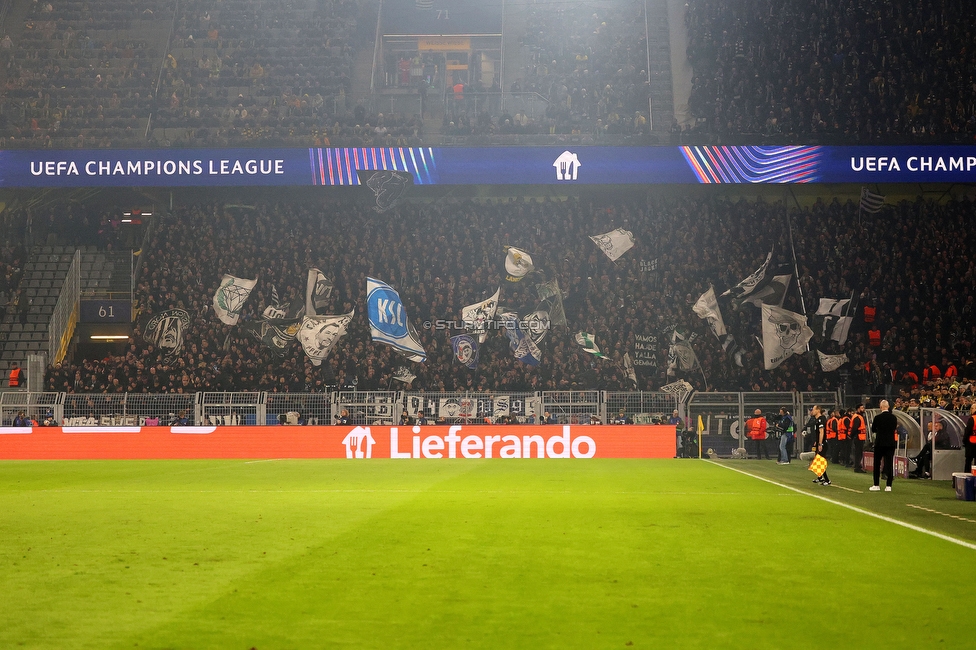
pixel 319 334
pixel 785 333
pixel 318 290
pixel 465 349
pixel 871 202
pixel 518 264
pixel 166 330
pixel 551 300
pixel 751 283
pixel 230 298
pixel 831 362
pixel 403 374
pixel 522 345
pixel 614 243
pixel 589 344
pixel 477 316
pixel 388 321
pixel 772 293
pixel 708 310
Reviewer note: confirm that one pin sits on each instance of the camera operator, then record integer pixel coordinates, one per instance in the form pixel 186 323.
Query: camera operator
pixel 786 428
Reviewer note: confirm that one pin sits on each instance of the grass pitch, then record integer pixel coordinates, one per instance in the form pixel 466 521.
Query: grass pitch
pixel 481 554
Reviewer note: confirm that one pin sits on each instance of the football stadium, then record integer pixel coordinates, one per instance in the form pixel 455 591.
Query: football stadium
pixel 489 324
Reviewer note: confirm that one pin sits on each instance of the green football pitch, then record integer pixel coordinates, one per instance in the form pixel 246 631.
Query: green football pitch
pixel 484 554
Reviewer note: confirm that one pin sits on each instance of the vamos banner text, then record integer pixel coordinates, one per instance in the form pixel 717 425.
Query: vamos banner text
pixel 351 442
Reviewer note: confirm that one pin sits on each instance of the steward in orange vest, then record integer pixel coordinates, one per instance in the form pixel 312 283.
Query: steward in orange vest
pixel 843 446
pixel 16 377
pixel 832 425
pixel 756 430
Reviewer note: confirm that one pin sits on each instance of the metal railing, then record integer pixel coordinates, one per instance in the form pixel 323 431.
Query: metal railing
pixel 230 409
pixel 127 409
pixel 33 405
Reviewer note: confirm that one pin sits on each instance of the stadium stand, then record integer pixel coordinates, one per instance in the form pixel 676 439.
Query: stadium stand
pixel 847 71
pixel 439 264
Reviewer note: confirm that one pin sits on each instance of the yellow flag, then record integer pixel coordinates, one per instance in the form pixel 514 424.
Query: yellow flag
pixel 818 465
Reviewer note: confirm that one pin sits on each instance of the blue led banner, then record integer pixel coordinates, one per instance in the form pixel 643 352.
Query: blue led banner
pixel 336 166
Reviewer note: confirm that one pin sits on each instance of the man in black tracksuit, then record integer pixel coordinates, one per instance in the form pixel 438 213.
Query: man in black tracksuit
pixel 969 438
pixel 884 427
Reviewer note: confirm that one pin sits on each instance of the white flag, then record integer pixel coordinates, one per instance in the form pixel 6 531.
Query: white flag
pixel 501 405
pixel 831 362
pixel 749 285
pixel 318 289
pixel 230 298
pixel 708 310
pixel 477 316
pixel 319 334
pixel 518 264
pixel 629 369
pixel 614 243
pixel 404 375
pixel 456 407
pixel 785 333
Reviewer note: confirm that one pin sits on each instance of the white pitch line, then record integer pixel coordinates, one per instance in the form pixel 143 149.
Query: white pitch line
pixel 944 514
pixel 846 488
pixel 862 511
pixel 263 460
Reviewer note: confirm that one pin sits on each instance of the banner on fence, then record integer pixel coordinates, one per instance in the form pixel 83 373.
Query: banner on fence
pixel 352 442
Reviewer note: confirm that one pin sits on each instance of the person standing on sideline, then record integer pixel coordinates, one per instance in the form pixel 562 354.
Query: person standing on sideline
pixel 787 429
pixel 858 434
pixel 756 430
pixel 820 436
pixel 969 441
pixel 884 427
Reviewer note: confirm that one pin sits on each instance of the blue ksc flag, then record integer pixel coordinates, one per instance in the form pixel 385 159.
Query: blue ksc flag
pixel 522 345
pixel 388 321
pixel 466 350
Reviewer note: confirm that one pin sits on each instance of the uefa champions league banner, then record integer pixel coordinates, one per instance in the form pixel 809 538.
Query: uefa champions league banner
pixel 562 165
pixel 350 442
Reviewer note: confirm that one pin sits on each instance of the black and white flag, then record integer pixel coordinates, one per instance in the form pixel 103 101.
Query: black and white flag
pixel 318 290
pixel 708 310
pixel 871 202
pixel 785 333
pixel 681 355
pixel 551 300
pixel 831 362
pixel 836 325
pixel 751 283
pixel 477 316
pixel 614 243
pixel 319 334
pixel 167 331
pixel 773 293
pixel 403 374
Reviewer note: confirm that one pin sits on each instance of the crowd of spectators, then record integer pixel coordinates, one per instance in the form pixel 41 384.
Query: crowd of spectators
pixel 11 270
pixel 448 254
pixel 850 71
pixel 590 63
pixel 80 74
pixel 280 72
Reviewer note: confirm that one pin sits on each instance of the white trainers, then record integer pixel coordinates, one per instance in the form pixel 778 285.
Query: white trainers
pixel 875 488
pixel 887 488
